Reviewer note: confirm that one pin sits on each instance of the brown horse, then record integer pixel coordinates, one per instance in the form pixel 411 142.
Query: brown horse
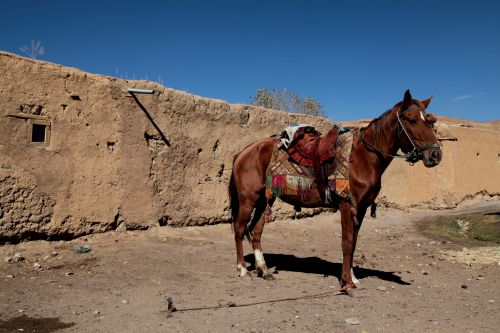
pixel 406 126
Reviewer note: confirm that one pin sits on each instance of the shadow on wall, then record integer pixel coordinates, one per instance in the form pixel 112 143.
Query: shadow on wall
pixel 150 119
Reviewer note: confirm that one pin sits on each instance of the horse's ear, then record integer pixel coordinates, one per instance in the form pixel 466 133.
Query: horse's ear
pixel 407 100
pixel 426 102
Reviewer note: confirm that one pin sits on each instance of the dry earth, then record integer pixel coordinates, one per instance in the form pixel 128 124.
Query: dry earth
pixel 122 285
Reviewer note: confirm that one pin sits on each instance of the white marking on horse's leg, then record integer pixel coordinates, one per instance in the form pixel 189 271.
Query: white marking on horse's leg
pixel 243 270
pixel 259 258
pixel 354 279
pixel 260 263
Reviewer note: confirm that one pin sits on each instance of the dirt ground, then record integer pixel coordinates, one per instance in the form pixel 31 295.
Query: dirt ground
pixel 409 283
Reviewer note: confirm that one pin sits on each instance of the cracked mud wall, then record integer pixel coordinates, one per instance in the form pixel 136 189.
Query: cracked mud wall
pixel 104 165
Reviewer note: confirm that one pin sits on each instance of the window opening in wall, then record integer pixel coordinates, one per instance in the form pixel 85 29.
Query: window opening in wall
pixel 38 133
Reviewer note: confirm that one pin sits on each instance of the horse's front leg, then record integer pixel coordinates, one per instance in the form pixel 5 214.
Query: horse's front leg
pixel 354 241
pixel 348 245
pixel 360 217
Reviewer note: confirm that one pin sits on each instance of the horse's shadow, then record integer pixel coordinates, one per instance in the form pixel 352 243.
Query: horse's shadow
pixel 315 265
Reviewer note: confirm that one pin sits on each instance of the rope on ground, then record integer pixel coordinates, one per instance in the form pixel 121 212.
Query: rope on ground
pixel 234 305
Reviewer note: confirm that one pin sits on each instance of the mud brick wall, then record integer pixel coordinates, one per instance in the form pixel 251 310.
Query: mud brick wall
pixel 79 155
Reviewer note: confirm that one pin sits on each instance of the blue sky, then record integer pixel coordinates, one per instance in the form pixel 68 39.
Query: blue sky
pixel 356 57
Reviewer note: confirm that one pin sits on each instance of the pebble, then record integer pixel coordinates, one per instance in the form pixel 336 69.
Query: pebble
pixel 381 288
pixel 97 313
pixel 225 303
pixel 425 273
pixel 16 257
pixel 464 286
pixel 68 273
pixel 352 321
pixel 124 301
pixel 37 265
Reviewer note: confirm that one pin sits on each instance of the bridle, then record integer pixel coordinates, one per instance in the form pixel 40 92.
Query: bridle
pixel 416 153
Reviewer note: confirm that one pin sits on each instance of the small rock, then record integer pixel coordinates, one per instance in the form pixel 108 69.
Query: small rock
pixel 16 257
pixel 68 273
pixel 491 300
pixel 37 265
pixel 97 313
pixel 352 321
pixel 10 276
pixel 122 227
pixel 381 288
pixel 225 303
pixel 46 257
pixel 82 249
pixel 425 273
pixel 170 305
pixel 124 301
pixel 464 286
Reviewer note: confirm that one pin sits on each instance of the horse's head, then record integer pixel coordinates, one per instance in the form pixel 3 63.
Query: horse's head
pixel 417 135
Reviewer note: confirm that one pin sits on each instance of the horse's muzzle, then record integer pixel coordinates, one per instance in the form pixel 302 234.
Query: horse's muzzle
pixel 432 157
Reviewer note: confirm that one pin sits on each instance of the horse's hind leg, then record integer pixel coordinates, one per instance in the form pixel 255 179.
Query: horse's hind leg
pixel 239 233
pixel 256 228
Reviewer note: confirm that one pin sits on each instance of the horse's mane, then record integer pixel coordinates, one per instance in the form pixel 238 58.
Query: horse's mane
pixel 378 127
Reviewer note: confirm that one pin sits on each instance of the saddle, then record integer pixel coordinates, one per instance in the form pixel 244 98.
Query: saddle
pixel 307 166
pixel 309 148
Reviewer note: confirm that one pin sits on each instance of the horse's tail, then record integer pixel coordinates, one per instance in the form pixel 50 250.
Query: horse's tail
pixel 234 203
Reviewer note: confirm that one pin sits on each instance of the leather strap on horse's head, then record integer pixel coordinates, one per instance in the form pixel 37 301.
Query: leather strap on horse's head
pixel 414 155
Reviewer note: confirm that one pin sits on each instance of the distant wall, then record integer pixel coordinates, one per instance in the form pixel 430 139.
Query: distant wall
pixel 103 163
pixel 470 167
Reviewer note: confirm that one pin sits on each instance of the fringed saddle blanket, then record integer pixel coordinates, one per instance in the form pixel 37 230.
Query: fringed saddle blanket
pixel 311 180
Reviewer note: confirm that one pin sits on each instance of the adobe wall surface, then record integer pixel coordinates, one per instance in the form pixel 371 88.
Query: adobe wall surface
pixel 104 164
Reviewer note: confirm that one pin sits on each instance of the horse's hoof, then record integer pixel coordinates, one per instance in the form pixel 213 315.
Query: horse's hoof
pixel 268 277
pixel 244 272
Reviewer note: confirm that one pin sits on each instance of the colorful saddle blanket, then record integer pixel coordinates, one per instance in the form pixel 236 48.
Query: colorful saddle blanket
pixel 312 179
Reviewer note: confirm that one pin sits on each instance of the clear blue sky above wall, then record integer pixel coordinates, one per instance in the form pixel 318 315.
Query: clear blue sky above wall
pixel 356 57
